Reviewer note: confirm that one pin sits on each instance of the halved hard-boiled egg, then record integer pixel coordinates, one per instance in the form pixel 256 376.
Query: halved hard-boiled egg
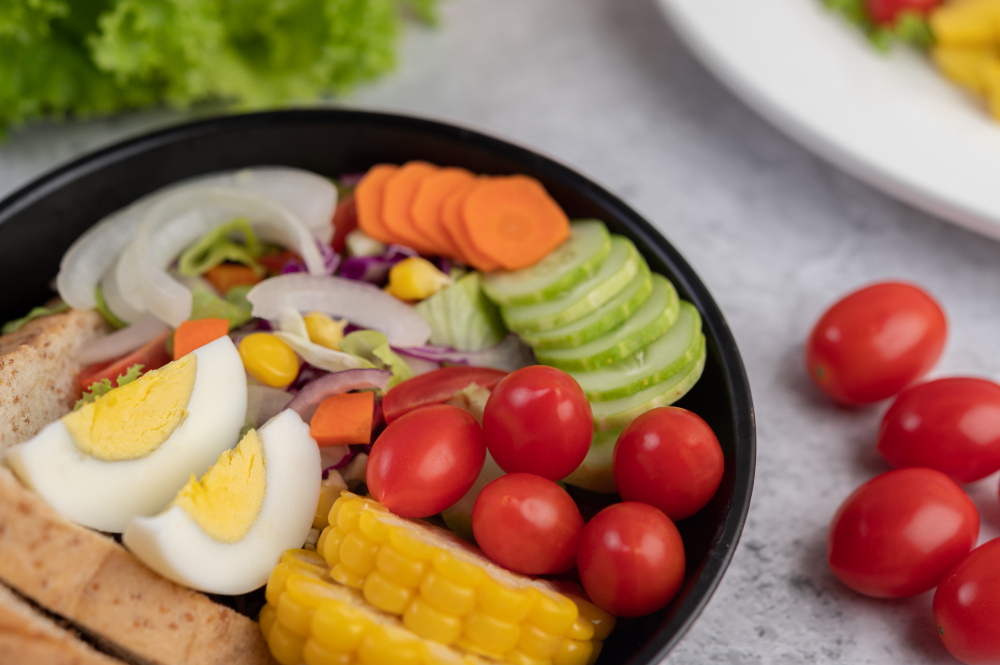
pixel 226 532
pixel 127 453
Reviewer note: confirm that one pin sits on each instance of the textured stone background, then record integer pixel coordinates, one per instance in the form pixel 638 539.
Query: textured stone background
pixel 606 87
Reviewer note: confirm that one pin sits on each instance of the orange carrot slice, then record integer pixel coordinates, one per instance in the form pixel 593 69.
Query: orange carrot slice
pixel 196 333
pixel 451 219
pixel 344 419
pixel 427 204
pixel 513 221
pixel 227 275
pixel 368 194
pixel 400 190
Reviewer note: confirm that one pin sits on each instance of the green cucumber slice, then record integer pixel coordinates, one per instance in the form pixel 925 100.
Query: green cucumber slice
pixel 595 472
pixel 646 325
pixel 652 364
pixel 614 275
pixel 567 265
pixel 596 324
pixel 620 412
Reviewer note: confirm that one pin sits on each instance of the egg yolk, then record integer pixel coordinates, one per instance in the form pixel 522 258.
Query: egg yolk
pixel 134 420
pixel 226 501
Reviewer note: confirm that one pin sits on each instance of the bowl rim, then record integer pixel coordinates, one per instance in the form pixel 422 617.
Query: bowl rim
pixel 724 543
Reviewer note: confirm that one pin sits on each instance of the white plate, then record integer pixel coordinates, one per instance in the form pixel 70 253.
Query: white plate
pixel 889 119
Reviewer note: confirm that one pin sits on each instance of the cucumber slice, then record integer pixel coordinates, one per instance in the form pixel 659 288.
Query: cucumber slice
pixel 569 264
pixel 596 324
pixel 648 366
pixel 595 472
pixel 648 324
pixel 614 275
pixel 620 412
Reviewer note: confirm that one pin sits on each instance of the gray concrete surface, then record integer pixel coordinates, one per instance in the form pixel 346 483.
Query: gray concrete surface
pixel 606 87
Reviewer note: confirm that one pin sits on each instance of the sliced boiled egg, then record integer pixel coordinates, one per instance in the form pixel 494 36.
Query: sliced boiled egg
pixel 127 453
pixel 225 532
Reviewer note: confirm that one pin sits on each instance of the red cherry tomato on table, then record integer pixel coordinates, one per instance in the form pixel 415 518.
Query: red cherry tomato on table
pixel 537 420
pixel 435 387
pixel 967 607
pixel 631 559
pixel 952 425
pixel 527 524
pixel 875 342
pixel 885 12
pixel 426 461
pixel 900 533
pixel 669 458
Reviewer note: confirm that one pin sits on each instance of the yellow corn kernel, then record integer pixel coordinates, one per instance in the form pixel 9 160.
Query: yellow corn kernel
pixel 357 553
pixel 511 605
pixel 521 658
pixel 329 492
pixel 581 630
pixel 410 547
pixel 386 645
pixel 308 591
pixel 348 513
pixel 476 650
pixel 447 596
pixel 339 628
pixel 969 23
pixel 372 528
pixel 266 619
pixel 276 584
pixel 331 544
pixel 344 576
pixel 602 621
pixel 385 595
pixel 536 643
pixel 460 572
pixel 325 331
pixel 335 509
pixel 293 615
pixel 269 359
pixel 490 634
pixel 596 652
pixel 991 77
pixel 305 560
pixel 286 646
pixel 415 278
pixel 315 654
pixel 321 541
pixel 965 66
pixel 429 623
pixel 573 653
pixel 432 653
pixel 553 614
pixel 400 569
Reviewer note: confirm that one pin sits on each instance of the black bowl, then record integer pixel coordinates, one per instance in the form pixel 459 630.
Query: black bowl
pixel 39 222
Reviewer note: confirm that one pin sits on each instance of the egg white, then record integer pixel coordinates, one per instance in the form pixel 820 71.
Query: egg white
pixel 174 545
pixel 105 495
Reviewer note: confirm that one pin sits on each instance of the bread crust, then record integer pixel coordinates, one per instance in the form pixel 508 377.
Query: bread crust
pixel 38 372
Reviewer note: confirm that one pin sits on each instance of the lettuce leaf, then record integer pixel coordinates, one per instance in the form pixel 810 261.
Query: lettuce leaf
pixel 35 313
pixel 373 347
pixel 87 57
pixel 103 387
pixel 910 28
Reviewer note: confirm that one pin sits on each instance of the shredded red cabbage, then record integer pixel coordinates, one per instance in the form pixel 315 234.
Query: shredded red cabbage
pixel 374 269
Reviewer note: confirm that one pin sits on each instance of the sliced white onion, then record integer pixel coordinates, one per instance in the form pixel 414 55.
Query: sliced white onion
pixel 180 219
pixel 121 342
pixel 115 299
pixel 362 304
pixel 311 198
pixel 292 330
pixel 265 402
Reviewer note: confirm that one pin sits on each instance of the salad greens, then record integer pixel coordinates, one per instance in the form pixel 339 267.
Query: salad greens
pixel 103 387
pixel 216 247
pixel 35 313
pixel 462 317
pixel 373 347
pixel 206 305
pixel 92 57
pixel 910 28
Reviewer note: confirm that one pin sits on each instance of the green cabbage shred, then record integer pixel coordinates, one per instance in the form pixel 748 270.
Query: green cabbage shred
pixel 96 57
pixel 103 387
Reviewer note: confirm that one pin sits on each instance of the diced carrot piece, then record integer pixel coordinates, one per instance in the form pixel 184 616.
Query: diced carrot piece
pixel 513 221
pixel 227 275
pixel 345 220
pixel 196 333
pixel 427 204
pixel 451 218
pixel 397 201
pixel 344 419
pixel 368 194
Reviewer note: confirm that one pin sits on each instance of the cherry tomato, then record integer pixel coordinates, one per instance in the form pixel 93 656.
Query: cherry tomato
pixel 900 533
pixel 151 356
pixel 537 420
pixel 435 387
pixel 967 607
pixel 426 461
pixel 875 342
pixel 527 524
pixel 631 559
pixel 668 458
pixel 885 12
pixel 345 220
pixel 952 425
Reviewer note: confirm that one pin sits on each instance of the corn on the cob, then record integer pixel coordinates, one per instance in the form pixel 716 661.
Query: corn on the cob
pixel 447 592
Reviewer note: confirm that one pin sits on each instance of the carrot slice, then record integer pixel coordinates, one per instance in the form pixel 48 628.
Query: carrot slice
pixel 430 198
pixel 397 200
pixel 197 333
pixel 344 419
pixel 513 221
pixel 368 194
pixel 227 275
pixel 451 219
